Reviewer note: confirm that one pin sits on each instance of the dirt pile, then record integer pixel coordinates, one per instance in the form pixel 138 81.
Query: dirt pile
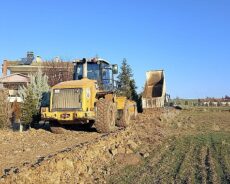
pixel 78 164
pixel 27 148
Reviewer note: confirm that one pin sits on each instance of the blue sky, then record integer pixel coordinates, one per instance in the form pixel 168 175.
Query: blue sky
pixel 189 39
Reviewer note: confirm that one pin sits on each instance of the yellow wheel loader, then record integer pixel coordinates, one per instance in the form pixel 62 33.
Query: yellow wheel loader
pixel 90 98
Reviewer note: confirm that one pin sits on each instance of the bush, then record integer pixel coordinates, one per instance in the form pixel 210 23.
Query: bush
pixel 29 109
pixel 5 110
pixel 32 97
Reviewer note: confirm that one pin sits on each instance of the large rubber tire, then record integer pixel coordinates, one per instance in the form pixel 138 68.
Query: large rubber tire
pixel 56 128
pixel 89 125
pixel 124 120
pixel 105 116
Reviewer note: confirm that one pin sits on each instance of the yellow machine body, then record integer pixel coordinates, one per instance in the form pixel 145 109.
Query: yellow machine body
pixel 121 100
pixel 87 100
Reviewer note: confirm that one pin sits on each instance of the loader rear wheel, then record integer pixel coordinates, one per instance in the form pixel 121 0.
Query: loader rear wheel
pixel 124 120
pixel 106 116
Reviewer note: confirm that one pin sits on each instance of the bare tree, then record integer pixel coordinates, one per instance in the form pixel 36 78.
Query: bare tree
pixel 58 71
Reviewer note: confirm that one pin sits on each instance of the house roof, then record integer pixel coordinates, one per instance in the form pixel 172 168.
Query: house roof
pixel 15 78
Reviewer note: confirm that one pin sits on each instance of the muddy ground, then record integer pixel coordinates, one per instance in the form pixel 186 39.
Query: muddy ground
pixel 26 148
pixel 164 146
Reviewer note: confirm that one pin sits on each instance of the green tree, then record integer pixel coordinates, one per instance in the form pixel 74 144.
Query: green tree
pixel 29 108
pixel 38 85
pixel 32 96
pixel 128 85
pixel 133 87
pixel 135 96
pixel 124 79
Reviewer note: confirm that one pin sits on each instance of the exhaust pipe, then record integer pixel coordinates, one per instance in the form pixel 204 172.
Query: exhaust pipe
pixel 84 75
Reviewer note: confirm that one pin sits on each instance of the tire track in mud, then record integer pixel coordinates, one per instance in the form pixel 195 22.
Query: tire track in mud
pixel 168 166
pixel 181 155
pixel 220 163
pixel 178 166
pixel 210 170
pixel 205 170
pixel 162 168
pixel 203 155
pixel 213 173
pixel 186 173
pixel 198 169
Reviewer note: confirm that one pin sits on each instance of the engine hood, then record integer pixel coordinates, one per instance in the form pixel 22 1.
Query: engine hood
pixel 76 83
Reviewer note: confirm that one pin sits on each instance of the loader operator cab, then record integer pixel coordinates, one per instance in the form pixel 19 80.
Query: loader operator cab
pixel 96 69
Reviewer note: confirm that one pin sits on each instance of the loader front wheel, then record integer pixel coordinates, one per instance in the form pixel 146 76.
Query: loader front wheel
pixel 105 116
pixel 56 128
